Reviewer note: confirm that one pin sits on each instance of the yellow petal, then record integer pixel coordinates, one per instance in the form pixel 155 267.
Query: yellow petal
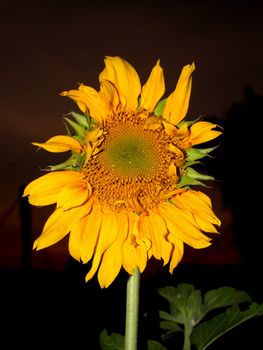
pixel 129 257
pixel 97 105
pixel 135 249
pixel 124 77
pixel 133 224
pixel 177 103
pixel 45 189
pixel 141 254
pixel 89 101
pixel 73 195
pixel 60 143
pixel 59 225
pixel 172 170
pixel 178 153
pixel 84 234
pixel 182 131
pixel 154 228
pixel 110 265
pixel 202 132
pixel 182 225
pixel 129 250
pixel 147 231
pixel 204 197
pixel 177 252
pixel 153 89
pixel 109 93
pixel 204 224
pixel 196 203
pixel 112 259
pixel 79 97
pixel 92 136
pixel 108 234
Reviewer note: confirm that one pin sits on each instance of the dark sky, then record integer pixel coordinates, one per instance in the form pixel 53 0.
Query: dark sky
pixel 50 46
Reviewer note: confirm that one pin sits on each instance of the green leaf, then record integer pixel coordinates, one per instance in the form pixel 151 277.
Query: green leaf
pixel 170 327
pixel 207 332
pixel 185 304
pixel 170 322
pixel 114 341
pixel 160 107
pixel 166 316
pixel 224 296
pixel 178 295
pixel 155 345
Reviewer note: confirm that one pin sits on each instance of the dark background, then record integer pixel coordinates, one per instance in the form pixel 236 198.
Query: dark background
pixel 50 46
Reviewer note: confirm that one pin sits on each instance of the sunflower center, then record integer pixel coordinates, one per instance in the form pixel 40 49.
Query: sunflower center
pixel 129 153
pixel 134 168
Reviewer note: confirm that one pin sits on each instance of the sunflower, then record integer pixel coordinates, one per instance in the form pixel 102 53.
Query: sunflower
pixel 125 192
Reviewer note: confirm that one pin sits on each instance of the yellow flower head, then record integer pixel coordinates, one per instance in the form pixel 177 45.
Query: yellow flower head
pixel 125 195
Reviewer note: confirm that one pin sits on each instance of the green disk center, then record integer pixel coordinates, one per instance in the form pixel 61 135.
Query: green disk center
pixel 130 156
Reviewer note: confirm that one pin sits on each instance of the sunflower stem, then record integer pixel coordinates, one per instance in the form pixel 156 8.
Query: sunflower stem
pixel 187 333
pixel 132 309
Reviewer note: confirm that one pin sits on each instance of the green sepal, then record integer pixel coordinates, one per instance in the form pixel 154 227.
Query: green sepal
pixel 189 181
pixel 74 162
pixel 191 177
pixel 187 164
pixel 196 175
pixel 188 123
pixel 81 119
pixel 158 111
pixel 68 132
pixel 198 153
pixel 80 130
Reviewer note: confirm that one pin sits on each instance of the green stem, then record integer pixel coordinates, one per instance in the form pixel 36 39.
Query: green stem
pixel 187 333
pixel 132 308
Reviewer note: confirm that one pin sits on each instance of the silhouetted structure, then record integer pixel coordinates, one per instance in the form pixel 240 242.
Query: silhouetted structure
pixel 242 175
pixel 26 231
